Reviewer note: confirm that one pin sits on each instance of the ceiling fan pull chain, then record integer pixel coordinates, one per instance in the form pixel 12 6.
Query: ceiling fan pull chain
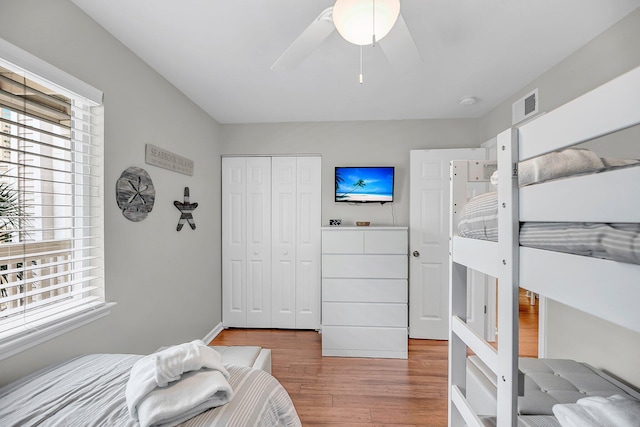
pixel 373 35
pixel 361 77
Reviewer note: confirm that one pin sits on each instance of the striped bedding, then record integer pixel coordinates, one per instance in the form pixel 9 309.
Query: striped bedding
pixel 618 242
pixel 90 391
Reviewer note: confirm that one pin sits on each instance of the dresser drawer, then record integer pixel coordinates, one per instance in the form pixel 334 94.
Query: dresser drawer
pixel 386 242
pixel 365 290
pixel 365 266
pixel 366 241
pixel 364 342
pixel 342 241
pixel 364 314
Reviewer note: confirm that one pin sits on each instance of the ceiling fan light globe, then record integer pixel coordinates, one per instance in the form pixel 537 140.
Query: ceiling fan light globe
pixel 354 19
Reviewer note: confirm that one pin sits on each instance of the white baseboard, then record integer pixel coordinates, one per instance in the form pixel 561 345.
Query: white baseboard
pixel 213 333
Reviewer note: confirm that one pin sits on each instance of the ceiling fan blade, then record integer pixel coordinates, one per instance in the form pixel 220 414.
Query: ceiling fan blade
pixel 310 39
pixel 400 48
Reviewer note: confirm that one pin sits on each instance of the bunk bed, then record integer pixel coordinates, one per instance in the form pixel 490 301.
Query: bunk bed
pixel 604 287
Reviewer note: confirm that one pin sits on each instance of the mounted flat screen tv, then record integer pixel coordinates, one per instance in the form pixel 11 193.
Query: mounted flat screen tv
pixel 365 184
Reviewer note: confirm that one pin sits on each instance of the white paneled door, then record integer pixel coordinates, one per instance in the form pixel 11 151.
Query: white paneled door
pixel 246 236
pixel 296 242
pixel 271 242
pixel 283 199
pixel 308 243
pixel 429 244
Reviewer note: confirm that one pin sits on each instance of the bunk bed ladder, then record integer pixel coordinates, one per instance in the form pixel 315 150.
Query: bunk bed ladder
pixel 460 412
pixel 504 361
pixel 461 336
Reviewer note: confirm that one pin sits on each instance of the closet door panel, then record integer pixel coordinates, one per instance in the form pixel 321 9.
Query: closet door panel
pixel 283 253
pixel 307 299
pixel 308 238
pixel 257 299
pixel 258 222
pixel 233 241
pixel 246 241
pixel 283 296
pixel 234 300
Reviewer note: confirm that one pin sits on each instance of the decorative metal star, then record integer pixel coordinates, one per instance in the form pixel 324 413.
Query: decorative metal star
pixel 185 209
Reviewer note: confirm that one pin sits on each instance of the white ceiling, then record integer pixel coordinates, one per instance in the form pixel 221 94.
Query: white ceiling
pixel 219 53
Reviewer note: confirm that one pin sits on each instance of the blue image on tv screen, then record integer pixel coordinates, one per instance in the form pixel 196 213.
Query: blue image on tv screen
pixel 364 184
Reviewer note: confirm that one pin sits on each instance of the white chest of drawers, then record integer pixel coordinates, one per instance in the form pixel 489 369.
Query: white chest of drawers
pixel 364 292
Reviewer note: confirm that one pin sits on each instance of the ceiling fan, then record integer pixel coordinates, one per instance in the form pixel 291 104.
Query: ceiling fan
pixel 361 22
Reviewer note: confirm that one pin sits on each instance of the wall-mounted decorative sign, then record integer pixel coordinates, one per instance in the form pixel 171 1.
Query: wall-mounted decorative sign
pixel 185 209
pixel 162 158
pixel 135 194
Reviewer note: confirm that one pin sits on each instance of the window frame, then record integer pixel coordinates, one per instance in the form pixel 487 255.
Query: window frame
pixel 68 320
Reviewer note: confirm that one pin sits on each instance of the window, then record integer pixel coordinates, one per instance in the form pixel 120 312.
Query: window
pixel 51 205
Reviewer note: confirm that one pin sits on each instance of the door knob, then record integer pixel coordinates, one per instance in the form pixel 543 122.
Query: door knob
pixel 416 254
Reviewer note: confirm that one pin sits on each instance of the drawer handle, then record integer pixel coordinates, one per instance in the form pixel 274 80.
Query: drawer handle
pixel 416 254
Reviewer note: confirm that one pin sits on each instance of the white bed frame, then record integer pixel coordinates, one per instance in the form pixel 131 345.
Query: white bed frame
pixel 606 289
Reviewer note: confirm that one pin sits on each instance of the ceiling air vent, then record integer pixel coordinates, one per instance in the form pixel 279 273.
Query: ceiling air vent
pixel 525 107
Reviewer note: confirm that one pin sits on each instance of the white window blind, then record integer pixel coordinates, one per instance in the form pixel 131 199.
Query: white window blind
pixel 51 205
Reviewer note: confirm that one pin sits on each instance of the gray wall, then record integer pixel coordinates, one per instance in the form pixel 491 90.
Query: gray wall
pixel 166 283
pixel 607 56
pixel 385 143
pixel 571 333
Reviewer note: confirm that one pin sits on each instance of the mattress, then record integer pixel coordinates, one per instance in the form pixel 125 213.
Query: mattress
pixel 526 421
pixel 547 382
pixel 614 241
pixel 90 391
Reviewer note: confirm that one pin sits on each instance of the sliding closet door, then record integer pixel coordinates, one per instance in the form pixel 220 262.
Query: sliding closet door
pixel 308 243
pixel 296 242
pixel 258 242
pixel 246 241
pixel 283 255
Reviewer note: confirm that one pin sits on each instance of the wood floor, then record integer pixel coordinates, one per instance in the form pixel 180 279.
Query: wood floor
pixel 337 391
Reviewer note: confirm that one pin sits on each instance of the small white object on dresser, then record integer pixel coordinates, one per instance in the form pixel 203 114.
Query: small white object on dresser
pixel 365 292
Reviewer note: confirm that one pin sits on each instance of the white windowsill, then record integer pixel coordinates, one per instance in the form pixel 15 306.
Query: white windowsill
pixel 12 346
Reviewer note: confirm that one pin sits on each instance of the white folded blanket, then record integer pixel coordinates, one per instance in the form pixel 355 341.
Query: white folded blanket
pixel 187 375
pixel 596 411
pixel 181 400
pixel 558 164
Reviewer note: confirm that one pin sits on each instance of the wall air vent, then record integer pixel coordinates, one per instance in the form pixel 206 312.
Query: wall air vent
pixel 525 107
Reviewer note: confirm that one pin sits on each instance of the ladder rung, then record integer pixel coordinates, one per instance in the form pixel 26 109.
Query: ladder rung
pixel 476 343
pixel 467 413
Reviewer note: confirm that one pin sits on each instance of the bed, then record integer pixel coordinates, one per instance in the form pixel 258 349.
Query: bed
pixel 478 219
pixel 602 283
pixel 90 390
